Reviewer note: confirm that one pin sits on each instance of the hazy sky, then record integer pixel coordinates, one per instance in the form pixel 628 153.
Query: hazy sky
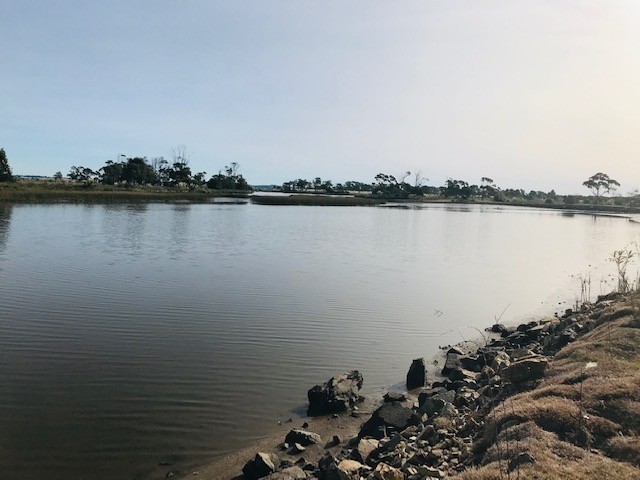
pixel 534 94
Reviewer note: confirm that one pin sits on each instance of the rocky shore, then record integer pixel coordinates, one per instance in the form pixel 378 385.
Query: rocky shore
pixel 558 398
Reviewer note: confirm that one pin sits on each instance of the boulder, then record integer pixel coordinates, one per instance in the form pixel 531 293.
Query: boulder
pixel 526 369
pixel 417 375
pixel 392 417
pixel 302 437
pixel 454 368
pixel 262 465
pixel 336 395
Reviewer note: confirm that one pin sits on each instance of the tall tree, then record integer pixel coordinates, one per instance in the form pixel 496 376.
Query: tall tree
pixel 600 184
pixel 5 169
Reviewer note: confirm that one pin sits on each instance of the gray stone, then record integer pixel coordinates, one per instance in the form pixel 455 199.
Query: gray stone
pixel 336 395
pixel 302 437
pixel 392 417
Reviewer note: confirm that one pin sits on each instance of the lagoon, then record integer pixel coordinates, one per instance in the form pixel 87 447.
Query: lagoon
pixel 138 339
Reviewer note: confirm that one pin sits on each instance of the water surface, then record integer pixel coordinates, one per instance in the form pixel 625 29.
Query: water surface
pixel 134 335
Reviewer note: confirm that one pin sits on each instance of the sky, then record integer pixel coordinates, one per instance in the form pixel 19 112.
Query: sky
pixel 537 94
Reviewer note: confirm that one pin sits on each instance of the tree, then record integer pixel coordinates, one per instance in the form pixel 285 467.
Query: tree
pixel 111 172
pixel 81 174
pixel 137 171
pixel 600 184
pixel 5 169
pixel 457 189
pixel 57 176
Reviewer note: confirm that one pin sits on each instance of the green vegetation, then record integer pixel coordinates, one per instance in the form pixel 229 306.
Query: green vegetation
pixel 5 169
pixel 159 172
pixel 53 191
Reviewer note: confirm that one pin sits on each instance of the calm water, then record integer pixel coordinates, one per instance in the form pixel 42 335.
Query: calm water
pixel 132 335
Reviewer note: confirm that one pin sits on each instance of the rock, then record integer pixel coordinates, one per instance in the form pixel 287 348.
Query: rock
pixel 302 437
pixel 336 395
pixel 431 472
pixel 497 328
pixel 417 375
pixel 429 392
pixel 394 397
pixel 500 362
pixel 365 448
pixel 262 465
pixel 387 472
pixel 295 449
pixel 435 403
pixel 521 459
pixel 350 469
pixel 454 368
pixel 526 369
pixel 391 416
pixel 471 362
pixel 448 411
pixel 291 473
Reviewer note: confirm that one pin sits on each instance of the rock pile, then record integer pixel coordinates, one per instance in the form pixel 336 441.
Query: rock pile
pixel 433 437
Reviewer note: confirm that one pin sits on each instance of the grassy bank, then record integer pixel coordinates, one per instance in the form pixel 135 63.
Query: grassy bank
pixel 317 200
pixel 72 192
pixel 583 420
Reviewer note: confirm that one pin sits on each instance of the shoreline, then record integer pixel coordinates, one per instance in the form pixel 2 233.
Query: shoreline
pixel 453 413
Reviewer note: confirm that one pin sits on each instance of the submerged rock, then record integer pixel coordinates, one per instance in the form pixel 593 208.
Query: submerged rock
pixel 336 395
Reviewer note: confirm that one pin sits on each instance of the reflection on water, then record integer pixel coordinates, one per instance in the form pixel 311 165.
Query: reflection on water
pixel 135 335
pixel 5 224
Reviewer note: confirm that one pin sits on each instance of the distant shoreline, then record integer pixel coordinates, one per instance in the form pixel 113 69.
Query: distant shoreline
pixel 34 193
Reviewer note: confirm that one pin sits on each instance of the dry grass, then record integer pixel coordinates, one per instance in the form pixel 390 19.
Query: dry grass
pixel 579 423
pixel 554 459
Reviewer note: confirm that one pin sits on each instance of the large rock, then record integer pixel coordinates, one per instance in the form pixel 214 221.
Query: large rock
pixel 262 465
pixel 417 375
pixel 302 437
pixel 454 366
pixel 526 369
pixel 336 395
pixel 392 417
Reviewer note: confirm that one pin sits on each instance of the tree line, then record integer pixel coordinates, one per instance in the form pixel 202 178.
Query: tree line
pixel 159 172
pixel 410 185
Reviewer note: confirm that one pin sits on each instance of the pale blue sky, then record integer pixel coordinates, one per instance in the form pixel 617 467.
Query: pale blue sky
pixel 534 94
